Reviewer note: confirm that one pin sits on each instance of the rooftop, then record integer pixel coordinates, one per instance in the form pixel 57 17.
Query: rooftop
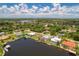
pixel 55 39
pixel 69 44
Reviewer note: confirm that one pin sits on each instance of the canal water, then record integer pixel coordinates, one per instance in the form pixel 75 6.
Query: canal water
pixel 29 47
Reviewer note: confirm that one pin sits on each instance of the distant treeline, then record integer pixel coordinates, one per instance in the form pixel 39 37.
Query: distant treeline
pixel 59 21
pixel 76 19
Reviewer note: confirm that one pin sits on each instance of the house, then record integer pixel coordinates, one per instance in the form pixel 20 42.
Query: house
pixel 55 39
pixel 69 44
pixel 68 30
pixel 72 30
pixel 4 37
pixel 31 33
pixel 6 48
pixel 18 33
pixel 45 37
pixel 2 33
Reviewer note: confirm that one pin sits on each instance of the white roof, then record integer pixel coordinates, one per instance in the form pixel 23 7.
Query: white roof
pixel 1 33
pixel 6 49
pixel 55 39
pixel 46 36
pixel 17 33
pixel 7 46
pixel 31 33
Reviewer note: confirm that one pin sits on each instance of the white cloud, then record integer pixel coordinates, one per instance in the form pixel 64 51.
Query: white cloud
pixel 34 7
pixel 56 4
pixel 16 7
pixel 12 9
pixel 57 8
pixel 23 6
pixel 74 10
pixel 44 10
pixel 4 6
pixel 22 10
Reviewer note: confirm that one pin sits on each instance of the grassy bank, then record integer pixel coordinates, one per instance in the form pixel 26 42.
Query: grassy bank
pixel 2 52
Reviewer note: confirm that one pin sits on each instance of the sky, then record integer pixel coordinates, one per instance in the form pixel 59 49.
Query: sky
pixel 39 10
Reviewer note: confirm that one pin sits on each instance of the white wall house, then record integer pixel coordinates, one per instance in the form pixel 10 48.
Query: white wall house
pixel 6 48
pixel 31 33
pixel 2 33
pixel 45 37
pixel 18 33
pixel 55 39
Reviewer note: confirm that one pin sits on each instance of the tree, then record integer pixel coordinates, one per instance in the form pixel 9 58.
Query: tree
pixel 77 50
pixel 54 29
pixel 37 28
pixel 75 36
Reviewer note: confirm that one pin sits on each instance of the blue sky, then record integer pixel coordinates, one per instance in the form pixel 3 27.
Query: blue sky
pixel 39 4
pixel 39 10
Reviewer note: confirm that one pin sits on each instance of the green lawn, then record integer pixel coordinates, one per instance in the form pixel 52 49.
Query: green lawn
pixel 1 51
pixel 35 37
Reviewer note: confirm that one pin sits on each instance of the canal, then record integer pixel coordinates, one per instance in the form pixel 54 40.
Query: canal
pixel 29 47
